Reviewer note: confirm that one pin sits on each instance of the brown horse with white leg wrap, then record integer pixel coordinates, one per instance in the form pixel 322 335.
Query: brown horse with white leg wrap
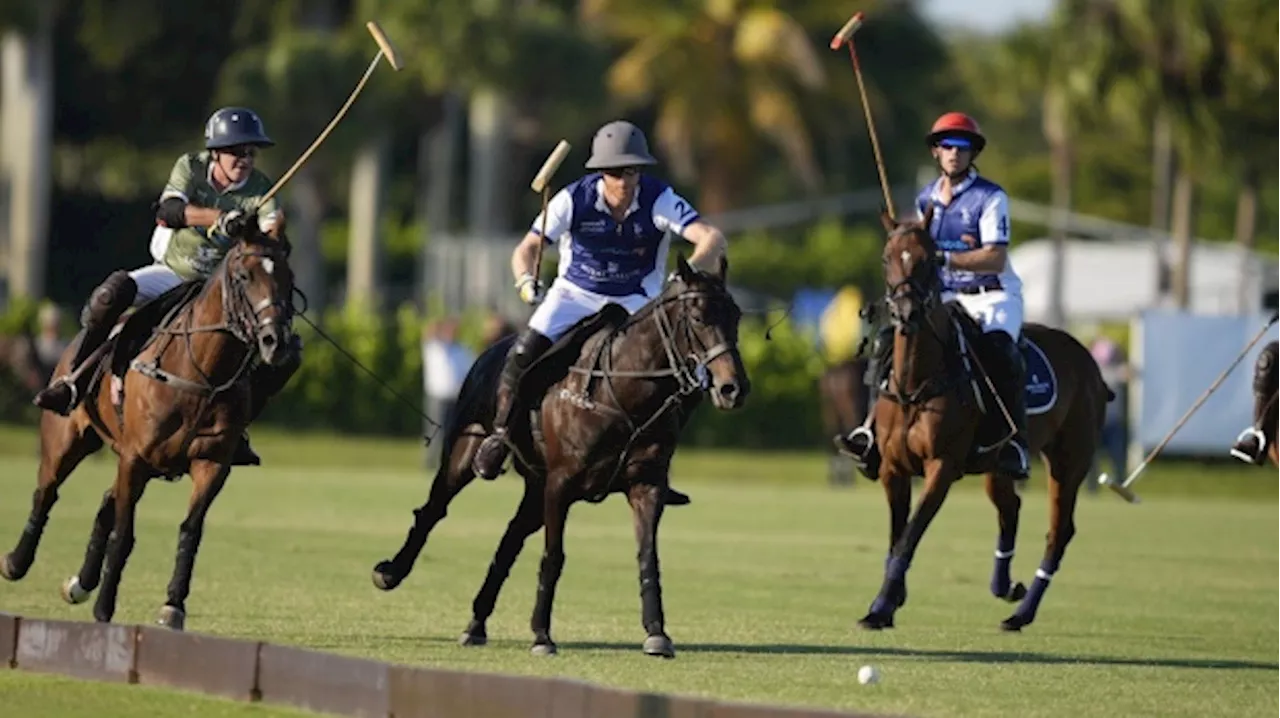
pixel 937 419
pixel 178 405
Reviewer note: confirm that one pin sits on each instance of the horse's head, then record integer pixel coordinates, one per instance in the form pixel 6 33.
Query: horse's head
pixel 704 320
pixel 910 272
pixel 259 290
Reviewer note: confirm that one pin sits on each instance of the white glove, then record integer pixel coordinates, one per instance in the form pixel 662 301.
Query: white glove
pixel 530 289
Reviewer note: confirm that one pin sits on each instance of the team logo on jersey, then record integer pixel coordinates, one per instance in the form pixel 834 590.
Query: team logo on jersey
pixel 593 225
pixel 964 215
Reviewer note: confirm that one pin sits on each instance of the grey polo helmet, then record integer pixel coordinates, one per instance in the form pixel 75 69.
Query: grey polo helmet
pixel 619 144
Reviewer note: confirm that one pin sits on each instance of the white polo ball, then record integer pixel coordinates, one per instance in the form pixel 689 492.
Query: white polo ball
pixel 868 675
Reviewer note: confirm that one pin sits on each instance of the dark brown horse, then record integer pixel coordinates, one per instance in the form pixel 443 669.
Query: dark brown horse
pixel 185 400
pixel 1257 444
pixel 608 423
pixel 843 397
pixel 931 421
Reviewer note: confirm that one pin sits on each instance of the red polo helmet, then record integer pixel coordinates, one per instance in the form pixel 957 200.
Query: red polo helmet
pixel 957 124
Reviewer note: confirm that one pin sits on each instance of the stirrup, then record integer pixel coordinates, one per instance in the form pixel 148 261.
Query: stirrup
pixel 845 443
pixel 1250 433
pixel 64 380
pixel 494 444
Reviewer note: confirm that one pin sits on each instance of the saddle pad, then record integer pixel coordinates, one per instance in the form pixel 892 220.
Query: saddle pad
pixel 1042 383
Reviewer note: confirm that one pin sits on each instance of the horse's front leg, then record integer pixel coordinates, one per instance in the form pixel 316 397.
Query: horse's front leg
pixel 897 490
pixel 1008 505
pixel 555 511
pixel 78 588
pixel 528 519
pixel 208 478
pixel 646 509
pixel 939 475
pixel 131 479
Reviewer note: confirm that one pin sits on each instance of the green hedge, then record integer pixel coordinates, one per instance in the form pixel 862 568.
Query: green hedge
pixel 331 393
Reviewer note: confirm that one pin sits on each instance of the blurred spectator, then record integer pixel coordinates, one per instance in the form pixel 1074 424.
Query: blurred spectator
pixel 1116 373
pixel 444 365
pixel 49 342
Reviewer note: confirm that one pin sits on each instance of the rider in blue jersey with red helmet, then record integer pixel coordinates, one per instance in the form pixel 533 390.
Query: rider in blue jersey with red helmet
pixel 970 226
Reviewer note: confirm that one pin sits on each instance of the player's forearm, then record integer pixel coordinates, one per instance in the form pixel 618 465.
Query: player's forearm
pixel 525 256
pixel 984 259
pixel 201 216
pixel 709 246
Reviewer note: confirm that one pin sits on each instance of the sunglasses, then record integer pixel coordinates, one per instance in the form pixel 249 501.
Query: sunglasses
pixel 242 151
pixel 623 171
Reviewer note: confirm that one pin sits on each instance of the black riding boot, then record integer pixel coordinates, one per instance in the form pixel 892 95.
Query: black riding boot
pixel 860 444
pixel 487 462
pixel 1014 459
pixel 106 304
pixel 266 382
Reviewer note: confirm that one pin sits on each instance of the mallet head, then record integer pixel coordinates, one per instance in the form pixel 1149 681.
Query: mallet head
pixel 549 167
pixel 388 50
pixel 847 31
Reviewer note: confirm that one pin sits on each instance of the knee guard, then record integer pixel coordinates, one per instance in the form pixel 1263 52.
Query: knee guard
pixel 1264 371
pixel 528 347
pixel 881 356
pixel 109 300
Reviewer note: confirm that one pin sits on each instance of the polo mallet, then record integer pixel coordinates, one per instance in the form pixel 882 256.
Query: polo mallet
pixel 385 49
pixel 845 37
pixel 540 184
pixel 1123 488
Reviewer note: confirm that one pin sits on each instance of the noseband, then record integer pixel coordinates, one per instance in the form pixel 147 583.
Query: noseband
pixel 244 319
pixel 689 372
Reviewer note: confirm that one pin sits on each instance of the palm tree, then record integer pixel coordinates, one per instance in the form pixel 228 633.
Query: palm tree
pixel 723 74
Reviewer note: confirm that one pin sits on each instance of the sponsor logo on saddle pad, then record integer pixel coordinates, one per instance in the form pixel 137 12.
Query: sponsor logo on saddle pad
pixel 1042 383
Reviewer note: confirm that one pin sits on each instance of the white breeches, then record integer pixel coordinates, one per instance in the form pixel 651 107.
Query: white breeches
pixel 996 310
pixel 566 304
pixel 153 280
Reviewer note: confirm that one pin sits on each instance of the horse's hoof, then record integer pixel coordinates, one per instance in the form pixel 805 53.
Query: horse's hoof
pixel 384 577
pixel 1014 623
pixel 1017 593
pixel 544 649
pixel 173 618
pixel 659 645
pixel 875 622
pixel 73 592
pixel 9 570
pixel 475 635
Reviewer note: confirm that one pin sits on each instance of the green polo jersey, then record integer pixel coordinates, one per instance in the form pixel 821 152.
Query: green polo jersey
pixel 194 252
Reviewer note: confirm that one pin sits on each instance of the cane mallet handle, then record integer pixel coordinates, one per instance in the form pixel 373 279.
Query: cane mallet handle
pixel 385 49
pixel 540 184
pixel 845 37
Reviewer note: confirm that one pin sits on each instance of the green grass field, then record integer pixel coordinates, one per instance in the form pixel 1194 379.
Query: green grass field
pixel 1168 608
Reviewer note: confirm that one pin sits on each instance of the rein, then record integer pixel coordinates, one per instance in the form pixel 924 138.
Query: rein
pixel 687 373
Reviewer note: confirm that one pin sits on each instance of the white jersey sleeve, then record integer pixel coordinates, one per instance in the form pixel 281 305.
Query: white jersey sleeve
pixel 993 223
pixel 672 213
pixel 559 217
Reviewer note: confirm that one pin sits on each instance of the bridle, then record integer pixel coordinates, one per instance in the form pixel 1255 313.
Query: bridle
pixel 242 318
pixel 925 296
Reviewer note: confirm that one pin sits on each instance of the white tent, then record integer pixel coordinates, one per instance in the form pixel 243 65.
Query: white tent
pixel 1114 280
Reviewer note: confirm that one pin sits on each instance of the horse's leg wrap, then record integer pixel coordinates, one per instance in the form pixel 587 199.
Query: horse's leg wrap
pixel 105 305
pixel 1011 383
pixel 493 450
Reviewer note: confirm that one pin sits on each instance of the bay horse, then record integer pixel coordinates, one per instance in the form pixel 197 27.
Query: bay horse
pixel 177 405
pixel 608 402
pixel 843 398
pixel 933 421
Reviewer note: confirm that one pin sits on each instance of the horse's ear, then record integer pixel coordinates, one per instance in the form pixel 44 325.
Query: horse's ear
pixel 723 268
pixel 683 270
pixel 887 222
pixel 926 218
